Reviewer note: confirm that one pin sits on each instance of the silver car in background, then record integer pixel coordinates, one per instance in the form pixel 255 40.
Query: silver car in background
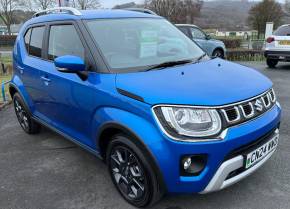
pixel 212 47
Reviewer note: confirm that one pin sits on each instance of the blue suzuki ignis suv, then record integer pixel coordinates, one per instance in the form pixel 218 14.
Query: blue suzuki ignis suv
pixel 132 89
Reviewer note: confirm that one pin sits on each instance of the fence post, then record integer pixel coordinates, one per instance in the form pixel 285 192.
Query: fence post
pixel 3 90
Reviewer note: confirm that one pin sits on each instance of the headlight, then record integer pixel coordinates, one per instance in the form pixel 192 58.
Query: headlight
pixel 189 122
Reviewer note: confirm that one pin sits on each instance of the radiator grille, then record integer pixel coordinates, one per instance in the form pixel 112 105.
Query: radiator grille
pixel 243 111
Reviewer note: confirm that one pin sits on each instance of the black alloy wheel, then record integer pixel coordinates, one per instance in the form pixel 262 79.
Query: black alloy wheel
pixel 26 122
pixel 128 173
pixel 132 173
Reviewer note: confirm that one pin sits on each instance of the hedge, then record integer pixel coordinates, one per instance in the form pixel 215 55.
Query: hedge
pixel 231 43
pixel 7 40
pixel 245 55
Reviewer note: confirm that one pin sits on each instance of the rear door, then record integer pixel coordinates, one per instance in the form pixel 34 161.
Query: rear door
pixel 282 38
pixel 31 62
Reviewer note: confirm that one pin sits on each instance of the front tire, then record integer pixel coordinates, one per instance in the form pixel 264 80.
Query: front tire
pixel 24 118
pixel 131 172
pixel 218 53
pixel 272 63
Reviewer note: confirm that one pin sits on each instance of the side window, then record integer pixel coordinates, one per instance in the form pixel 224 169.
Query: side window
pixel 64 40
pixel 184 30
pixel 27 39
pixel 35 46
pixel 196 33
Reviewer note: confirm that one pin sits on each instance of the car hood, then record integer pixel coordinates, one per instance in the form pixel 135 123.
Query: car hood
pixel 209 83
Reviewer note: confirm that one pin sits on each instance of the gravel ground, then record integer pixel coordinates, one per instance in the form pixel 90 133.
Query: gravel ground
pixel 46 171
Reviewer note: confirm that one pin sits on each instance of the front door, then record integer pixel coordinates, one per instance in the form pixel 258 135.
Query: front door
pixel 68 98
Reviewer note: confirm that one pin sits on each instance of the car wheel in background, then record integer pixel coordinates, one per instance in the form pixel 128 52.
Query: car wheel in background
pixel 272 63
pixel 26 122
pixel 218 53
pixel 131 172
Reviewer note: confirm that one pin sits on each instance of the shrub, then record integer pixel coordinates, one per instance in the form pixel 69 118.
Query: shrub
pixel 7 40
pixel 231 43
pixel 245 55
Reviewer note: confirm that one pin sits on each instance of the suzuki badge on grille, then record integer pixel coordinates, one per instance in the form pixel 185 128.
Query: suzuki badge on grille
pixel 259 105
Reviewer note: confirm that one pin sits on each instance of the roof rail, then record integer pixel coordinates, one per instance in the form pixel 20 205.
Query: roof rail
pixel 147 11
pixel 66 10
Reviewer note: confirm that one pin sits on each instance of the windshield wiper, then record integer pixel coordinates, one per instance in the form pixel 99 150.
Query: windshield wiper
pixel 201 57
pixel 169 64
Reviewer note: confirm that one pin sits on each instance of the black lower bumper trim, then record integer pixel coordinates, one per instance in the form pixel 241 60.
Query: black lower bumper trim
pixel 279 55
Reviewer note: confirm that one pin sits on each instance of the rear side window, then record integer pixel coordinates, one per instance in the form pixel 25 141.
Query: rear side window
pixel 196 33
pixel 27 39
pixel 64 40
pixel 283 31
pixel 184 30
pixel 35 46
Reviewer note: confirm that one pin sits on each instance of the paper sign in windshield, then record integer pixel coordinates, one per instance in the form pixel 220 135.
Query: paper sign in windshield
pixel 149 44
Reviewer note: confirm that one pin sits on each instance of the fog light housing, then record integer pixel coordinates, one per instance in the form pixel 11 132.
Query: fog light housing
pixel 192 165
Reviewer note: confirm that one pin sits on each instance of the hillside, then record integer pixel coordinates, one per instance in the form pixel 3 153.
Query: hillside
pixel 225 14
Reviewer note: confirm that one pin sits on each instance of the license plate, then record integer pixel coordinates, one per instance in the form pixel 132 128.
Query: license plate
pixel 261 152
pixel 284 42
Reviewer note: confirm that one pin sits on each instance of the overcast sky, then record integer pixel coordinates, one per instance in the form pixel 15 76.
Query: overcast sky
pixel 111 3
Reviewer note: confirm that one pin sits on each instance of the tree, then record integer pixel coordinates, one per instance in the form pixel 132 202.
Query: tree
pixel 7 9
pixel 192 9
pixel 33 5
pixel 44 4
pixel 86 4
pixel 263 12
pixel 176 11
pixel 287 7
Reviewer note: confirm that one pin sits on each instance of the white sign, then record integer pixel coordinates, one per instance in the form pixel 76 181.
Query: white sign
pixel 149 43
pixel 269 29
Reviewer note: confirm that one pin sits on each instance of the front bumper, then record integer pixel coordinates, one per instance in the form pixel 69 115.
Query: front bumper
pixel 221 178
pixel 222 156
pixel 281 55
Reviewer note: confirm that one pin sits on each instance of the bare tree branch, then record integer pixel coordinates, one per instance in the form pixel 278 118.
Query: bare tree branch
pixel 177 11
pixel 7 9
pixel 33 5
pixel 263 12
pixel 86 4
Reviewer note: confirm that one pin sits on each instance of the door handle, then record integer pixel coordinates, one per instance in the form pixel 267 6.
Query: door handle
pixel 45 79
pixel 20 69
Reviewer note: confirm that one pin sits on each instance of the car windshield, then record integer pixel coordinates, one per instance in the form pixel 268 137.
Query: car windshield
pixel 133 44
pixel 283 31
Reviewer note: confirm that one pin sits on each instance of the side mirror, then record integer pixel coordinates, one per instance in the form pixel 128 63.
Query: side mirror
pixel 70 64
pixel 207 37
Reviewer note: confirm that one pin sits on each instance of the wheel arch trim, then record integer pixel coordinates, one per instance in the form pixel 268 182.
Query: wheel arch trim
pixel 125 129
pixel 17 90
